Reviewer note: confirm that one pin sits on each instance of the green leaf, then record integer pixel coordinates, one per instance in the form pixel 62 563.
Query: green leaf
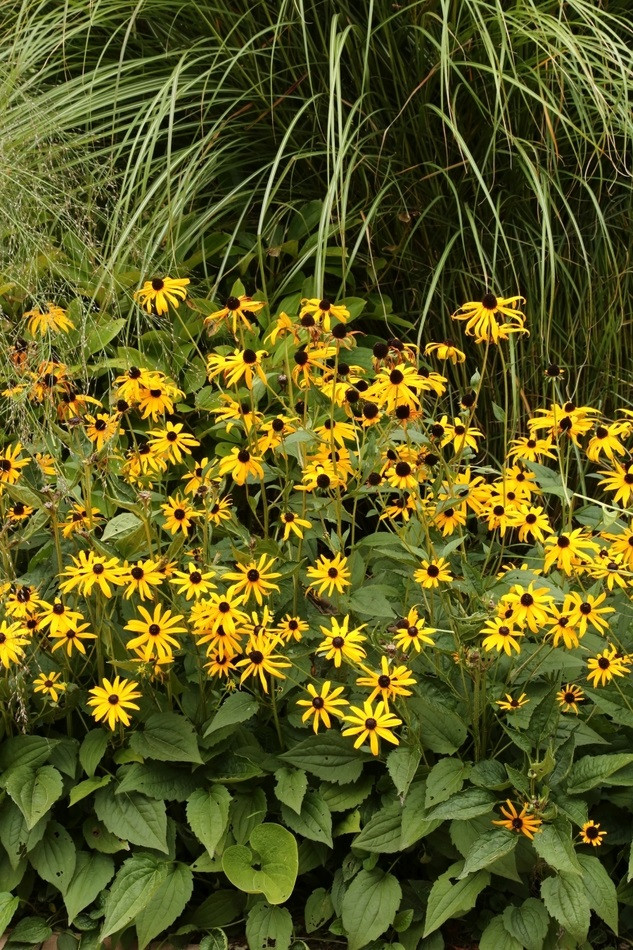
pixel 600 890
pixel 343 797
pixel 566 900
pixel 34 790
pixel 219 909
pixel 216 940
pixel 87 787
pixel 554 843
pixel 236 708
pixel 55 856
pixel 445 779
pixel 463 805
pixel 369 602
pixel 329 756
pixel 291 786
pixel 490 774
pixel 208 815
pixel 318 909
pixel 33 930
pixel 274 849
pixel 158 780
pixel 92 873
pixel 8 907
pixel 120 525
pixel 99 336
pixel 100 839
pixel 134 818
pixel 268 928
pixel 382 833
pixel 415 822
pixel 369 906
pixel 247 811
pixel 528 923
pixel 487 849
pixel 25 750
pixel 442 730
pixel 402 764
pixel 313 822
pixel 593 770
pixel 166 903
pixel 448 900
pixel 167 737
pixel 496 937
pixel 16 838
pixel 136 882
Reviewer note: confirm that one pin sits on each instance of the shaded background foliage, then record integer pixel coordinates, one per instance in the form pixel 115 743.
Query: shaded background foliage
pixel 413 152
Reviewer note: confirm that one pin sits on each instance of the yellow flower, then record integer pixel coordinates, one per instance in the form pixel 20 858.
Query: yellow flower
pixel 501 635
pixel 509 704
pixel 330 573
pixel 178 515
pixel 522 823
pixel 220 664
pixel 156 633
pixel 586 609
pixel 59 617
pixel 293 524
pixel 158 293
pixel 445 351
pixel 260 659
pixel 413 632
pixel 620 481
pixel 530 606
pixel 241 365
pixel 603 667
pixel 340 642
pixel 140 578
pixel 569 551
pixel 371 724
pixel 102 428
pixel 172 443
pixel 78 518
pixel 158 398
pixel 220 511
pixel 605 440
pixel 254 578
pixel 569 697
pixel 239 463
pixel 53 320
pixel 193 583
pixel 591 834
pixel 12 640
pixel 216 619
pixel 112 700
pixel 322 705
pixel 291 628
pixel 561 628
pixel 10 465
pixel 485 318
pixel 530 449
pixel 234 309
pixel 50 684
pixel 19 512
pixel 92 570
pixel 433 573
pixel 323 310
pixel 72 638
pixel 389 683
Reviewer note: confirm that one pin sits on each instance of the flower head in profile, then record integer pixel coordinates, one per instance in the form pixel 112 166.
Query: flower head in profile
pixel 51 320
pixel 371 725
pixel 112 700
pixel 522 822
pixel 236 311
pixel 445 351
pixel 322 705
pixel 156 294
pixel 490 319
pixel 510 703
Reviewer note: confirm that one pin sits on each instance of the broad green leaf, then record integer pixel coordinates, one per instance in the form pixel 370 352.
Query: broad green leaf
pixel 87 787
pixel 16 838
pixel 442 730
pixel 343 797
pixel 463 805
pixel 313 822
pixel 216 940
pixel 318 909
pixel 445 779
pixel 268 928
pixel 25 750
pixel 167 737
pixel 528 923
pixel 219 909
pixel 236 708
pixel 487 849
pixel 566 899
pixel 448 900
pixel 248 810
pixel 554 843
pixel 402 764
pixel 166 903
pixel 369 906
pixel 137 880
pixel 382 833
pixel 54 857
pixel 208 815
pixel 600 890
pixel 274 850
pixel 8 907
pixel 98 838
pixel 490 774
pixel 120 524
pixel 415 823
pixel 368 601
pixel 99 336
pixel 134 818
pixel 158 780
pixel 291 786
pixel 30 930
pixel 64 757
pixel 34 791
pixel 329 756
pixel 496 937
pixel 593 770
pixel 92 873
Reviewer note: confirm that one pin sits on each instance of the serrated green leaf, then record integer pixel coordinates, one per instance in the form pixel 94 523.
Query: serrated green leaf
pixel 445 779
pixel 313 822
pixel 448 900
pixel 382 833
pixel 442 730
pixel 487 849
pixel 21 751
pixel 134 818
pixel 600 890
pixel 369 906
pixel 33 930
pixel 92 873
pixel 528 923
pixel 463 805
pixel 167 737
pixel 158 780
pixel 216 940
pixel 291 786
pixel 268 927
pixel 34 791
pixel 8 907
pixel 137 880
pixel 318 909
pixel 343 797
pixel 54 857
pixel 554 843
pixel 236 709
pixel 208 815
pixel 496 937
pixel 87 787
pixel 402 764
pixel 248 810
pixel 566 899
pixel 329 756
pixel 166 903
pixel 274 850
pixel 593 770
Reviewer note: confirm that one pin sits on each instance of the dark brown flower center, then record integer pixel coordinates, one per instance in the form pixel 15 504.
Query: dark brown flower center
pixel 489 301
pixel 157 284
pixel 370 724
pixel 527 600
pixel 318 702
pixel 253 575
pixel 384 681
pixel 232 303
pixel 338 642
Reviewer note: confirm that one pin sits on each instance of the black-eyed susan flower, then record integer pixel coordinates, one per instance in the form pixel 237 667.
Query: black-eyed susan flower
pixel 531 449
pixel 72 638
pixel 50 684
pixel 240 464
pixel 388 683
pixel 18 512
pixel 12 641
pixel 22 600
pixel 432 573
pixel 606 441
pixel 179 515
pixel 569 551
pixel 254 579
pixel 396 387
pixel 449 518
pixel 273 432
pixel 291 628
pixel 241 366
pixel 501 635
pixel 622 544
pixel 112 700
pixel 530 605
pixel 294 524
pixel 92 570
pixel 445 351
pixel 141 578
pixel 330 574
pixel 59 617
pixel 561 627
pixel 156 294
pixel 323 311
pixel 46 464
pixel 171 442
pixel 51 320
pixel 604 666
pixel 101 428
pixel 619 480
pixel 342 643
pixel 158 398
pixel 130 385
pixel 522 822
pixel 532 524
pixel 219 664
pixel 219 610
pixel 11 464
pixel 236 309
pixel 510 703
pixel 320 475
pixel 611 569
pixel 202 475
pixel 261 660
pixel 79 518
pixel 156 632
pixel 193 582
pixel 489 318
pixel 371 725
pixel 587 609
pixel 590 834
pixel 283 326
pixel 411 631
pixel 402 506
pixel 323 704
pixel 219 511
pixel 569 696
pixel 563 420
